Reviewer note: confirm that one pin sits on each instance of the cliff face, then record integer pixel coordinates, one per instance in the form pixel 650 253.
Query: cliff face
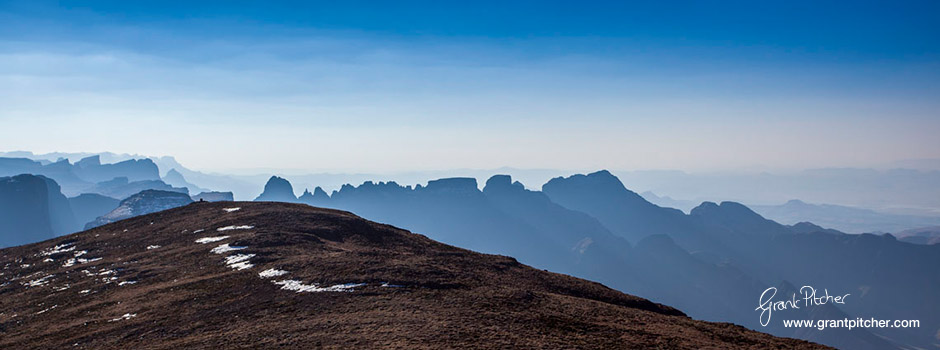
pixel 145 202
pixel 32 208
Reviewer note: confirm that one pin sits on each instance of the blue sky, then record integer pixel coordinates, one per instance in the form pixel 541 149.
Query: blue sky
pixel 395 86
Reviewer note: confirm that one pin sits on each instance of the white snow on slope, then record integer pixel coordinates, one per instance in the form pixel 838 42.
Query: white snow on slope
pixel 225 248
pixel 210 239
pixel 299 287
pixel 229 210
pixel 239 261
pixel 61 248
pixel 38 282
pixel 269 273
pixel 233 227
pixel 124 317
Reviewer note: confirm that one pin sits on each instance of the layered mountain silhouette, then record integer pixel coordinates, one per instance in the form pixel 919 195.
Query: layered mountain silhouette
pixel 277 275
pixel 89 206
pixel 91 169
pixel 843 218
pixel 117 180
pixel 712 263
pixel 731 235
pixel 120 187
pixel 923 235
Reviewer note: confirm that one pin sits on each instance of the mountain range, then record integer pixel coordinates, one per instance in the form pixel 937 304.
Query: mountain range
pixel 712 263
pixel 277 275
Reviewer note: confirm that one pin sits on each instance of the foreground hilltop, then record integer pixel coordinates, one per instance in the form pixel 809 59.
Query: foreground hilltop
pixel 262 275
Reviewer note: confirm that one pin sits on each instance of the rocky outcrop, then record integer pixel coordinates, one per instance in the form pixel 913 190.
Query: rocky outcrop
pixel 145 202
pixel 277 190
pixel 317 198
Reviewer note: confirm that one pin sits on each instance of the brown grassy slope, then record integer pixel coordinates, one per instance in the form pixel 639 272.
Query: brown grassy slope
pixel 181 295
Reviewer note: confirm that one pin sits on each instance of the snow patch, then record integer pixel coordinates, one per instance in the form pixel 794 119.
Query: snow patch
pixel 61 248
pixel 388 285
pixel 124 283
pixel 225 248
pixel 299 287
pixel 210 239
pixel 229 210
pixel 149 247
pixel 233 227
pixel 38 282
pixel 44 311
pixel 241 265
pixel 269 273
pixel 199 230
pixel 123 317
pixel 239 261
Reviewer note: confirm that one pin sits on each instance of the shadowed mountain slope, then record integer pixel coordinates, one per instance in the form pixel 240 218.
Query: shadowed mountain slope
pixel 89 206
pixel 265 275
pixel 32 208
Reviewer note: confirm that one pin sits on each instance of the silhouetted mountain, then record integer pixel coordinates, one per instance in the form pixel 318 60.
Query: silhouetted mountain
pixel 120 187
pixel 214 196
pixel 24 209
pixel 32 208
pixel 735 237
pixel 846 219
pixel 604 197
pixel 275 275
pixel 145 202
pixel 895 191
pixel 175 179
pixel 277 190
pixel 317 198
pixel 669 202
pixel 734 217
pixel 510 221
pixel 90 169
pixel 809 227
pixel 505 218
pixel 923 235
pixel 89 206
pixel 60 171
pixel 88 174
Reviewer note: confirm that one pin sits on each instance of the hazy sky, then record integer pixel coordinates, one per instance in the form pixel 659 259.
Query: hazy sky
pixel 410 85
